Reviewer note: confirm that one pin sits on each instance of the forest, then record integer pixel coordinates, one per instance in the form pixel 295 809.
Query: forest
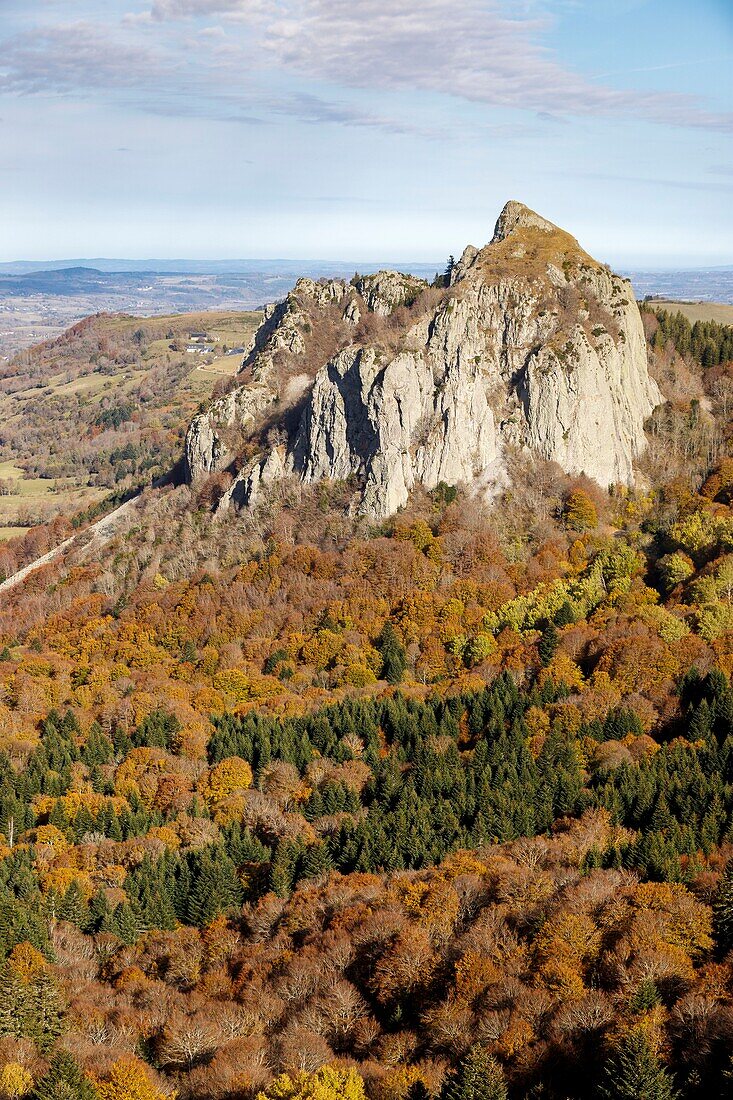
pixel 308 807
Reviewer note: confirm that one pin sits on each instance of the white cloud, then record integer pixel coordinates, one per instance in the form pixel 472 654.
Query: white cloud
pixel 85 59
pixel 70 58
pixel 469 51
pixel 166 10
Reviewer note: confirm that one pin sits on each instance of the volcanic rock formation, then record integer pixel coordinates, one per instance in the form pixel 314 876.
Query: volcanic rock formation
pixel 388 383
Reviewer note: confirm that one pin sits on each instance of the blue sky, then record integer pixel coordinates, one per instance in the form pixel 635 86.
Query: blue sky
pixel 364 129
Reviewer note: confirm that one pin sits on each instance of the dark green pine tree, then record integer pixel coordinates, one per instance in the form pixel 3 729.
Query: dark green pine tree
pixel 477 1077
pixel 123 924
pixel 314 806
pixel 216 890
pixel 99 784
pixel 701 722
pixel 633 1072
pixel 723 910
pixel 645 997
pixel 64 1081
pixel 98 749
pixel 283 868
pixel 394 657
pixel 242 847
pixel 13 997
pixel 73 906
pixel 121 742
pixel 592 859
pixel 84 823
pixel 316 862
pixel 113 829
pixel 182 889
pixel 43 1013
pixel 58 818
pixel 548 643
pixel 565 615
pixel 99 913
pixel 661 818
pixel 150 895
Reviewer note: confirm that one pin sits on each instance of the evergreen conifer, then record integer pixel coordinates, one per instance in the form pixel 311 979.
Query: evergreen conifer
pixel 723 910
pixel 633 1072
pixel 477 1077
pixel 64 1081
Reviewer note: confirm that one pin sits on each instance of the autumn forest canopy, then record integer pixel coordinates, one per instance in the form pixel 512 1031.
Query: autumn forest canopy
pixel 307 806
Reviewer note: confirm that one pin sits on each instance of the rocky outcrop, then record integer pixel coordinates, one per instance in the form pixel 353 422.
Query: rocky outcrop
pixel 282 333
pixel 533 344
pixel 206 447
pixel 393 425
pixel 385 291
pixel 516 216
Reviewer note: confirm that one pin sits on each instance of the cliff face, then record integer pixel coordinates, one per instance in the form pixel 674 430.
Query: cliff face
pixel 393 384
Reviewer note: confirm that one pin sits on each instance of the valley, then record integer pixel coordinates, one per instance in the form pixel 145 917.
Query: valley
pixel 101 409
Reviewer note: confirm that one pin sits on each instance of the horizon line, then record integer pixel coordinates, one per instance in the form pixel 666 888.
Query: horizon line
pixel 82 261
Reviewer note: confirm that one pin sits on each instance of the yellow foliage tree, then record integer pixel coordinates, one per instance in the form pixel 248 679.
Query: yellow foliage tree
pixel 229 775
pixel 562 979
pixel 48 836
pixel 327 1083
pixel 685 922
pixel 397 1083
pixel 242 687
pixel 562 669
pixel 15 1080
pixel 61 878
pixel 699 533
pixel 129 1079
pixel 580 512
pixel 25 962
pixel 165 834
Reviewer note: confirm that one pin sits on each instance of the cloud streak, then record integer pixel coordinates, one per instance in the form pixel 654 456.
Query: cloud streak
pixel 76 57
pixel 84 60
pixel 469 51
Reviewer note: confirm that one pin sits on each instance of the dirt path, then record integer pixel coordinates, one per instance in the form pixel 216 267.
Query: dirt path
pixel 97 533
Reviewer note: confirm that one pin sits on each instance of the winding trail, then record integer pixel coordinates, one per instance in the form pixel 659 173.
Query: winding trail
pixel 95 534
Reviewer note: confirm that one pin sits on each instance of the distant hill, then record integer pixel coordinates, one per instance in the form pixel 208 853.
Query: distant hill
pixel 64 281
pixel 104 407
pixel 708 284
pixel 314 268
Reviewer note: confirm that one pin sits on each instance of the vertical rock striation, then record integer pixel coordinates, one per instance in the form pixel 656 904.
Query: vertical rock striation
pixel 533 343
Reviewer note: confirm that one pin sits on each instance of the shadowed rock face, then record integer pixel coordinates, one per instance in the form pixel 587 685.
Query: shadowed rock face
pixel 392 384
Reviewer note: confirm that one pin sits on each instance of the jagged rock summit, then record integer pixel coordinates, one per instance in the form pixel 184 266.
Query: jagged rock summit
pixel 387 382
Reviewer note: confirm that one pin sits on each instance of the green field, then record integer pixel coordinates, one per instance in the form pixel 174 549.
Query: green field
pixel 26 487
pixel 697 311
pixel 35 499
